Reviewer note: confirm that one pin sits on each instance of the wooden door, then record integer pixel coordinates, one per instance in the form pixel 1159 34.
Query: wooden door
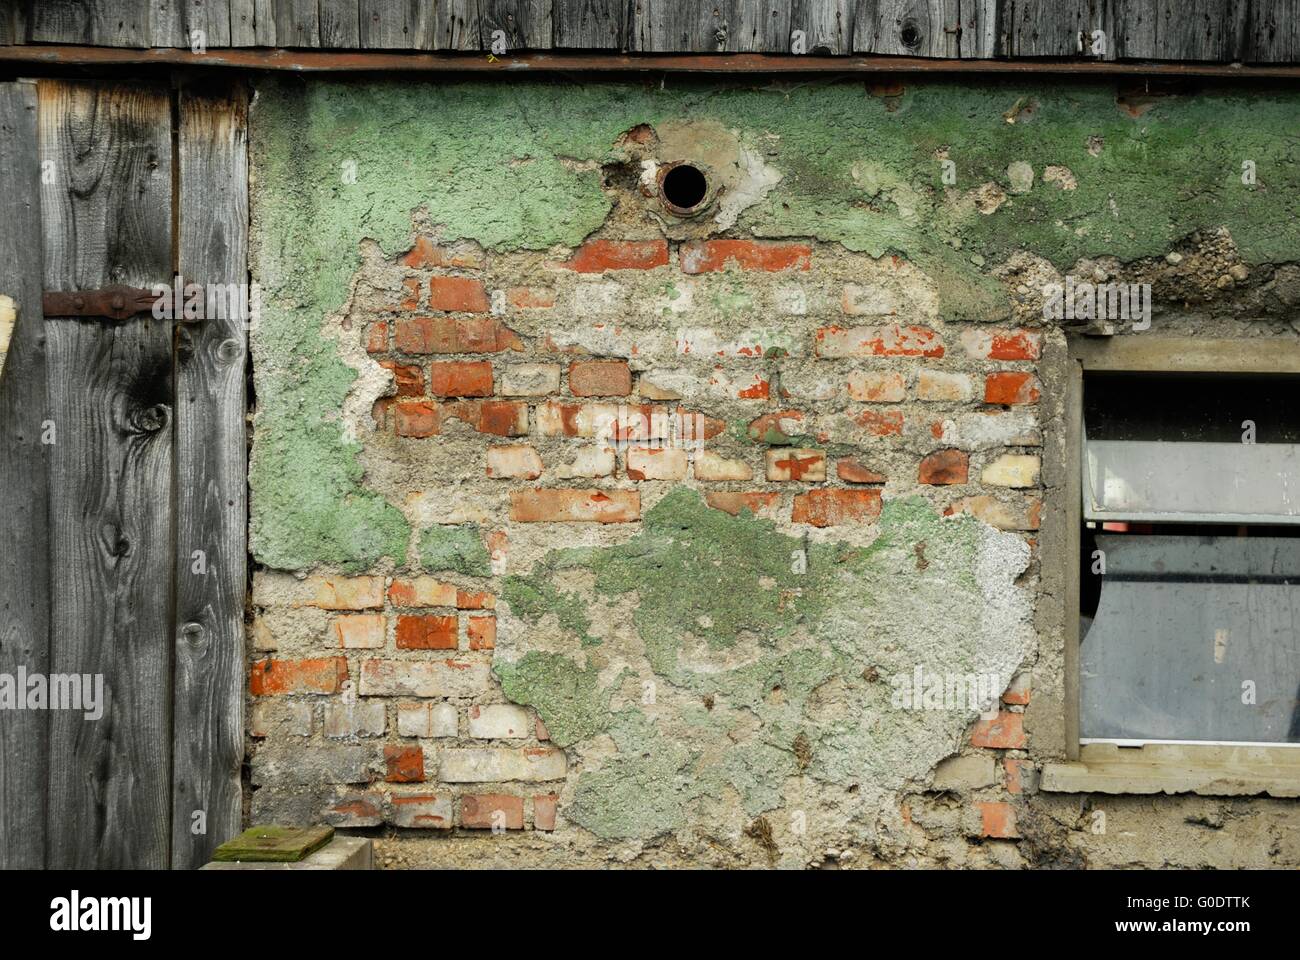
pixel 123 500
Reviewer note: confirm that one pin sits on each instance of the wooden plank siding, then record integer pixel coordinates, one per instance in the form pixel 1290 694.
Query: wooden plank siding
pixel 107 211
pixel 24 501
pixel 211 468
pixel 1256 31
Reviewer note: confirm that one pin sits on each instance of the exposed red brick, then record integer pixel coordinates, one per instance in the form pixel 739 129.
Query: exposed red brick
pixel 776 428
pixel 828 508
pixel 475 600
pixel 422 592
pixel 880 424
pixel 544 811
pixel 733 502
pixel 542 733
pixel 707 256
pixel 460 378
pixel 1013 775
pixel 877 386
pixel 425 811
pixel 454 335
pixel 415 418
pixel 405 764
pixel 1011 387
pixel 482 632
pixel 600 378
pixel 575 506
pixel 885 341
pixel 426 632
pixel 322 675
pixel 483 811
pixel 377 337
pixel 1005 731
pixel 597 256
pixel 531 298
pixel 944 467
pixel 410 295
pixel 850 470
pixel 997 820
pixel 425 255
pixel 458 295
pixel 502 418
pixel 1001 344
pixel 409 377
pixel 516 462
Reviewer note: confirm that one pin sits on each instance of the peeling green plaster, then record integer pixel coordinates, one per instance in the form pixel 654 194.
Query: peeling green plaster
pixel 456 549
pixel 719 617
pixel 516 166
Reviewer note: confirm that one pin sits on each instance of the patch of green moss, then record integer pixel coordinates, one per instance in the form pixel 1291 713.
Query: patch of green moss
pixel 457 549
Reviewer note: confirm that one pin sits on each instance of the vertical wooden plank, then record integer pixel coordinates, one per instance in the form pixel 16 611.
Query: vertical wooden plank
pixel 682 26
pixel 1131 28
pixel 1194 30
pixel 457 24
pixel 980 33
pixel 264 23
pixel 913 28
pixel 243 23
pixel 396 24
pixel 340 25
pixel 760 26
pixel 211 18
pixel 1037 28
pixel 167 23
pixel 8 23
pixel 827 25
pixel 526 24
pixel 297 23
pixel 100 23
pixel 24 500
pixel 1272 32
pixel 211 464
pixel 107 213
pixel 589 24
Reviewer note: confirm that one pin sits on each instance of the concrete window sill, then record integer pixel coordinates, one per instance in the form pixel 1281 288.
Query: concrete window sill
pixel 1216 771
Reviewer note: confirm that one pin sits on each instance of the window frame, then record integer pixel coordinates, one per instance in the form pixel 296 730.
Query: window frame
pixel 1208 769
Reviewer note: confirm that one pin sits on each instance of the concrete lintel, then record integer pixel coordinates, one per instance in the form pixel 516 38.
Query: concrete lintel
pixel 341 853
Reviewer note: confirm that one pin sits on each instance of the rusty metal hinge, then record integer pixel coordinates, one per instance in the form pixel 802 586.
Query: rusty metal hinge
pixel 109 303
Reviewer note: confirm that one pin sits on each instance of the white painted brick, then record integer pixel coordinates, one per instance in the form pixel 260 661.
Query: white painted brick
pixel 363 718
pixel 500 765
pixel 499 721
pixel 427 720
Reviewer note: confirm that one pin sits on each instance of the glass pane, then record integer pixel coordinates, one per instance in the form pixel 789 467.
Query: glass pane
pixel 1195 639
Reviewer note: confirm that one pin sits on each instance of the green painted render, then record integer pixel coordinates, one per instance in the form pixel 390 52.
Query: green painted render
pixel 517 166
pixel 722 621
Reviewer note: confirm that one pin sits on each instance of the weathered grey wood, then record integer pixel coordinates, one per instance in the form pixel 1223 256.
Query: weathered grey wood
pixel 340 25
pixel 682 26
pixel 520 24
pixel 115 23
pixel 297 23
pixel 589 24
pixel 1274 32
pixel 827 26
pixel 981 33
pixel 243 23
pixel 1048 28
pixel 8 22
pixel 1131 28
pixel 397 24
pixel 108 219
pixel 915 28
pixel 1194 30
pixel 211 462
pixel 24 500
pixel 211 19
pixel 167 23
pixel 456 25
pixel 264 23
pixel 760 26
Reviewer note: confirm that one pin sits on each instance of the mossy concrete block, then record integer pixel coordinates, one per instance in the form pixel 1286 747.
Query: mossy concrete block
pixel 274 844
pixel 341 853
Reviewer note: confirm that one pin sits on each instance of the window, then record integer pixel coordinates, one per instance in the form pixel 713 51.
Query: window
pixel 1180 572
pixel 1190 575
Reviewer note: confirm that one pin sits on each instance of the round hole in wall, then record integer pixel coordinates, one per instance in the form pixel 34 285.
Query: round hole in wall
pixel 910 34
pixel 683 187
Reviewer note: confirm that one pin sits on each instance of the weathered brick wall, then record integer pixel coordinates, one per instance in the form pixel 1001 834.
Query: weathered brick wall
pixel 623 533
pixel 581 390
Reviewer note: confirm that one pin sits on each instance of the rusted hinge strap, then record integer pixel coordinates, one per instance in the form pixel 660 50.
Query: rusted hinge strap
pixel 112 303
